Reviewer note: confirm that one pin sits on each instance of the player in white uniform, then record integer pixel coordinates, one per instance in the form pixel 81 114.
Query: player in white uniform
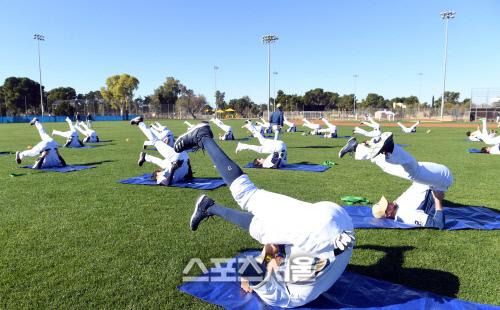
pixel 71 135
pixel 317 238
pixel 90 134
pixel 314 127
pixel 175 167
pixel 494 150
pixel 228 130
pixel 488 138
pixel 420 204
pixel 266 126
pixel 411 129
pixel 291 126
pixel 161 133
pixel 275 148
pixel 371 134
pixel 46 150
pixel 330 131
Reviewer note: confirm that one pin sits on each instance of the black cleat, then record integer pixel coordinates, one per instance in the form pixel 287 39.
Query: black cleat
pixel 350 147
pixel 33 121
pixel 18 157
pixel 192 138
pixel 201 211
pixel 142 159
pixel 136 120
pixel 385 144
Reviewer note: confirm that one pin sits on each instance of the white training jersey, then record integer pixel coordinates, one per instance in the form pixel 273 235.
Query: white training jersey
pixel 408 204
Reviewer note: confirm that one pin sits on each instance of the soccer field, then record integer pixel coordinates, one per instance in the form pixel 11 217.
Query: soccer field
pixel 82 240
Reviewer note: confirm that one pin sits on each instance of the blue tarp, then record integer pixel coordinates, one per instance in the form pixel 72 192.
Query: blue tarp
pixel 195 183
pixel 456 218
pixel 68 168
pixel 476 151
pixel 351 291
pixel 296 167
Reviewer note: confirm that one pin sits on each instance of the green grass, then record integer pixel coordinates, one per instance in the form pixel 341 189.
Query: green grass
pixel 81 240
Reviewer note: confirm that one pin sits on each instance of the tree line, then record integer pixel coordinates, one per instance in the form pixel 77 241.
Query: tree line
pixel 21 95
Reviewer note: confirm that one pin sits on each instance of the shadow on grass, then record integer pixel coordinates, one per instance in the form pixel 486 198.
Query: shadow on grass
pixel 390 268
pixel 96 163
pixel 450 204
pixel 314 147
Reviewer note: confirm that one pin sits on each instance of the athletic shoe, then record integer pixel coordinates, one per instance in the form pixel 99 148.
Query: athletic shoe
pixel 142 159
pixel 385 143
pixel 200 211
pixel 238 148
pixel 18 157
pixel 350 147
pixel 33 121
pixel 192 138
pixel 137 120
pixel 144 146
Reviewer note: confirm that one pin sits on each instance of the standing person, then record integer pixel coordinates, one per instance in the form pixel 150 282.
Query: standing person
pixel 330 131
pixel 228 130
pixel 411 129
pixel 89 120
pixel 421 204
pixel 90 134
pixel 316 238
pixel 71 135
pixel 175 167
pixel 78 117
pixel 276 120
pixel 46 150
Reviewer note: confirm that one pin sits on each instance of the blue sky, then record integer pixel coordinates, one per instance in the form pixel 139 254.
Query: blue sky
pixel 321 44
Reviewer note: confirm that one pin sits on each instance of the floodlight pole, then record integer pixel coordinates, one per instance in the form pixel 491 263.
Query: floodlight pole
pixel 446 16
pixel 38 38
pixel 355 77
pixel 274 75
pixel 215 85
pixel 268 39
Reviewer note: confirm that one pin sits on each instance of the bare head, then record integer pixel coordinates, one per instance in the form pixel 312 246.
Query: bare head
pixel 258 162
pixel 156 174
pixel 384 209
pixel 485 149
pixel 468 133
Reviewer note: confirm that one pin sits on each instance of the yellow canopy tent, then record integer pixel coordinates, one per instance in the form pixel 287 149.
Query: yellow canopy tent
pixel 229 110
pixel 219 111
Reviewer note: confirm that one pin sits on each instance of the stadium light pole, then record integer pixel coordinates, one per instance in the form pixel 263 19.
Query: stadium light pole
pixel 215 85
pixel 447 15
pixel 38 38
pixel 419 85
pixel 355 77
pixel 268 39
pixel 274 75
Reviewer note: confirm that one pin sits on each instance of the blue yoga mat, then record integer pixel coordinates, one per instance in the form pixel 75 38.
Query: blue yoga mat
pixel 68 168
pixel 476 151
pixel 456 218
pixel 195 183
pixel 351 290
pixel 296 167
